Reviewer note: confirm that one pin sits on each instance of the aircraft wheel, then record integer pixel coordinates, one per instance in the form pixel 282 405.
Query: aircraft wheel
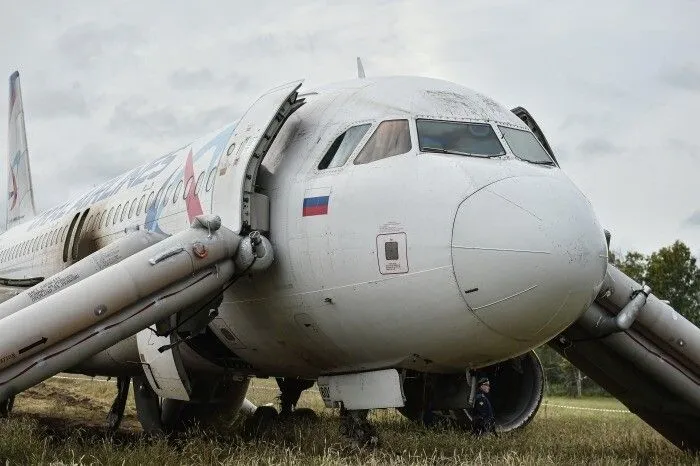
pixel 260 422
pixel 305 415
pixel 6 406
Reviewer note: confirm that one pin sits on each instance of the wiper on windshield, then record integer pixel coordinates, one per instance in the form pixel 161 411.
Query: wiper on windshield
pixel 440 150
pixel 540 162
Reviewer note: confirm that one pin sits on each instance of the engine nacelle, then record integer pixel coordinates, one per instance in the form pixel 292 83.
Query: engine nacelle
pixel 517 387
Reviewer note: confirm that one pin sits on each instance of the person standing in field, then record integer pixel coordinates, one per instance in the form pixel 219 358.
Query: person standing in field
pixel 484 421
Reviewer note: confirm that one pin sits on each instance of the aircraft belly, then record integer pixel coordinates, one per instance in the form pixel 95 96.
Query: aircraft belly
pixel 423 325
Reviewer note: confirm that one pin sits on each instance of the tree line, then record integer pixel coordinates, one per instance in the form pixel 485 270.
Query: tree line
pixel 672 273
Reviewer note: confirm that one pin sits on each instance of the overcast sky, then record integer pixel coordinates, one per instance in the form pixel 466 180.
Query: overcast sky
pixel 614 84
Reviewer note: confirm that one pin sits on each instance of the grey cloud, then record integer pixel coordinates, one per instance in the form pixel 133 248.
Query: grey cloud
pixel 586 121
pixel 679 146
pixel 693 220
pixel 87 168
pixel 136 118
pixel 188 79
pixel 60 103
pixel 205 79
pixel 270 45
pixel 88 43
pixel 597 146
pixel 685 77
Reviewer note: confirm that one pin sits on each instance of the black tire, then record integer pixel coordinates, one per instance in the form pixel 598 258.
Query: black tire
pixel 6 406
pixel 260 422
pixel 305 415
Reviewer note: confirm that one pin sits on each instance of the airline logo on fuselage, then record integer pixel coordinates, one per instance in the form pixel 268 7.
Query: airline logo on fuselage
pixel 145 173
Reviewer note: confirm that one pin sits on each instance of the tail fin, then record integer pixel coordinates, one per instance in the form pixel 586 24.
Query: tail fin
pixel 20 201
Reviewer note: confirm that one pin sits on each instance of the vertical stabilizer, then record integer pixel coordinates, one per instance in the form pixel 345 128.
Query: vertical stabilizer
pixel 20 199
pixel 360 68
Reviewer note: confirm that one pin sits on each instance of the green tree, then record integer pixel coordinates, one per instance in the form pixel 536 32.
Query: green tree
pixel 673 274
pixel 633 265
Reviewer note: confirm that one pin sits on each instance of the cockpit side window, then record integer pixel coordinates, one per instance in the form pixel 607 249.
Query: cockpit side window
pixel 525 146
pixel 392 137
pixel 342 147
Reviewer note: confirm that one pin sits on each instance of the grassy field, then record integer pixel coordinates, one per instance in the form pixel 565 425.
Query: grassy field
pixel 60 421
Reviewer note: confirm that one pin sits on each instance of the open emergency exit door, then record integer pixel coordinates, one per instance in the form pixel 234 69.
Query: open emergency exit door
pixel 241 210
pixel 248 145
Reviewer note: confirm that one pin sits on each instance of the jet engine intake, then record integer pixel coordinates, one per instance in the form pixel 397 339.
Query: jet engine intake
pixel 517 386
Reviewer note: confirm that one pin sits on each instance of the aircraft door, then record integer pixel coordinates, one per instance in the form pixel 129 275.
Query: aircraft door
pixel 69 235
pixel 248 145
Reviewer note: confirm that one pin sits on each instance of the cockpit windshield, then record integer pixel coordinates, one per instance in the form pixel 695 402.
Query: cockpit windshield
pixel 525 146
pixel 452 137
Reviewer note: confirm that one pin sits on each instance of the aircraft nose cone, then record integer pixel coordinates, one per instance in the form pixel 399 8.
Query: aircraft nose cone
pixel 529 255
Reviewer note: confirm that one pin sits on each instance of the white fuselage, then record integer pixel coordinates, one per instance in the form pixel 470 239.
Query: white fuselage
pixel 495 255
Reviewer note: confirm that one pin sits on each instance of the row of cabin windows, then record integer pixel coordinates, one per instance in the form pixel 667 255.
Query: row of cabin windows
pixel 45 240
pixel 103 219
pixel 139 206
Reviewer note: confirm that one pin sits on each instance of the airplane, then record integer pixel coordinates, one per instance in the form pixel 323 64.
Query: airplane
pixel 390 239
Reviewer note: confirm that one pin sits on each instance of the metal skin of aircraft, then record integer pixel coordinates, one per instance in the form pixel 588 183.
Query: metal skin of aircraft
pixel 422 236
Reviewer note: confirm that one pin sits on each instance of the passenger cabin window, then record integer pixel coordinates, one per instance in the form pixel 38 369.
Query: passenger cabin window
pixel 391 138
pixel 452 137
pixel 525 146
pixel 343 147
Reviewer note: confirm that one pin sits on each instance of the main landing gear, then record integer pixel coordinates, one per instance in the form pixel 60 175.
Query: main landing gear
pixel 290 392
pixel 357 394
pixel 356 428
pixel 116 412
pixel 265 417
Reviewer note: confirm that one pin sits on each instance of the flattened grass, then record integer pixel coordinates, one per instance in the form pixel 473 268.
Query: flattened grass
pixel 60 421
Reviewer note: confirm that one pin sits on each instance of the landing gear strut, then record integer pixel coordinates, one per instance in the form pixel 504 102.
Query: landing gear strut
pixel 355 426
pixel 6 406
pixel 260 422
pixel 116 413
pixel 290 392
pixel 265 417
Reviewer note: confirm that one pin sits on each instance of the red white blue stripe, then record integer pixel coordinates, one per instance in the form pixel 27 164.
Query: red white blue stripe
pixel 316 201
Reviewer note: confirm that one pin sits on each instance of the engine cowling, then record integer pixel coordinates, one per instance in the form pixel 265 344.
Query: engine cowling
pixel 517 387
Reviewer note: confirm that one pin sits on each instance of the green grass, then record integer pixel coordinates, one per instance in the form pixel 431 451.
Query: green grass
pixel 60 421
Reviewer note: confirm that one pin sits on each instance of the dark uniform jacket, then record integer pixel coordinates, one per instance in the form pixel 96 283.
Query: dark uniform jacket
pixel 484 419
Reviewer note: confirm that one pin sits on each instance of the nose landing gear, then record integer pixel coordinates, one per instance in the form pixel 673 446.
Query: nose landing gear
pixel 6 406
pixel 356 428
pixel 290 392
pixel 265 417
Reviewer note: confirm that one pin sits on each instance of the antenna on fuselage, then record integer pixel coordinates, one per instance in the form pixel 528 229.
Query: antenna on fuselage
pixel 360 68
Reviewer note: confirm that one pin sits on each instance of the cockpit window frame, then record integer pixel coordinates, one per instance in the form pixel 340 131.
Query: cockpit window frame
pixel 360 144
pixel 552 161
pixel 493 125
pixel 412 139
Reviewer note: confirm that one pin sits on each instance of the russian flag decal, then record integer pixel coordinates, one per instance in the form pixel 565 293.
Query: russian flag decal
pixel 316 201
